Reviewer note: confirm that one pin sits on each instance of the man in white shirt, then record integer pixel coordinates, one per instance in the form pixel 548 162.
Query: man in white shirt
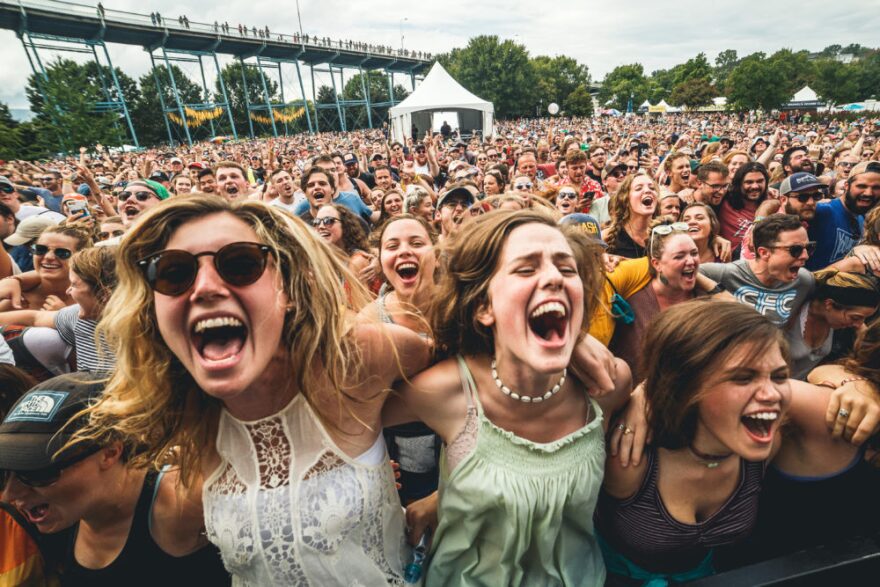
pixel 283 184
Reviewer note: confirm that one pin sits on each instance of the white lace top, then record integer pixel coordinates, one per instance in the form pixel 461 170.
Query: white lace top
pixel 287 507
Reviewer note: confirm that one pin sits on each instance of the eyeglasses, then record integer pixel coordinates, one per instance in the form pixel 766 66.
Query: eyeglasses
pixel 105 235
pixel 327 221
pixel 806 197
pixel 796 250
pixel 141 196
pixel 522 186
pixel 567 195
pixel 846 164
pixel 421 150
pixel 493 157
pixel 48 475
pixel 172 272
pixel 665 229
pixel 717 187
pixel 61 253
pixel 619 174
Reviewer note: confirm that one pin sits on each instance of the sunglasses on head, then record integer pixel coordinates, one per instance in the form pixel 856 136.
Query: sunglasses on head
pixel 326 221
pixel 105 235
pixel 61 253
pixel 665 229
pixel 807 196
pixel 46 476
pixel 796 250
pixel 141 196
pixel 172 272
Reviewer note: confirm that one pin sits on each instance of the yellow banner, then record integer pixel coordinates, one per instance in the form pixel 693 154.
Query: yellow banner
pixel 288 114
pixel 196 117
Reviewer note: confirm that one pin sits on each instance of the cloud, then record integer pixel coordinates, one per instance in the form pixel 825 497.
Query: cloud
pixel 600 35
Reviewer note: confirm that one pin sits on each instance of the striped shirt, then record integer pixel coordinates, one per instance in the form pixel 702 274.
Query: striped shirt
pixel 79 333
pixel 642 529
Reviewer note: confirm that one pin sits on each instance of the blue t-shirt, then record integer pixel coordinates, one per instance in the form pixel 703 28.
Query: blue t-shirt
pixel 348 199
pixel 52 202
pixel 836 231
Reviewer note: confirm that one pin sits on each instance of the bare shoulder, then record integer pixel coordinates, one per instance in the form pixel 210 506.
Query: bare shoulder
pixel 436 397
pixel 390 351
pixel 177 523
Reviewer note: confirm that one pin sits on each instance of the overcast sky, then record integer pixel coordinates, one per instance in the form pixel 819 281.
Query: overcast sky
pixel 601 35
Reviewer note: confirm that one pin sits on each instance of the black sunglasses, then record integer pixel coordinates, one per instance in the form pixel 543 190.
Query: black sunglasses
pixel 7 189
pixel 327 221
pixel 804 198
pixel 141 196
pixel 172 272
pixel 796 250
pixel 61 253
pixel 46 476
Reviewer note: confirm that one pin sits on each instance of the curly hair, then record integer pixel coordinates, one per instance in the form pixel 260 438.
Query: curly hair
pixel 97 267
pixel 620 210
pixel 354 237
pixel 735 195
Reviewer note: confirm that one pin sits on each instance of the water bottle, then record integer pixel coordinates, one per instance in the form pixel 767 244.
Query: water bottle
pixel 413 571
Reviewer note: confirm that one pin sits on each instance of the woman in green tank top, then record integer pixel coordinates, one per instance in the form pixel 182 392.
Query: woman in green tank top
pixel 525 451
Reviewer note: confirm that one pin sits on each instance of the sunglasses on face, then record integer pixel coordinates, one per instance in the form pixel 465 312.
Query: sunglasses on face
pixel 47 476
pixel 105 235
pixel 806 197
pixel 567 195
pixel 327 221
pixel 172 272
pixel 7 189
pixel 522 186
pixel 141 196
pixel 796 250
pixel 846 164
pixel 61 253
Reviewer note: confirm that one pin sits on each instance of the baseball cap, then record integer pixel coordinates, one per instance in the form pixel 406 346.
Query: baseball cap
pixel 585 223
pixel 460 189
pixel 195 165
pixel 29 229
pixel 159 176
pixel 864 167
pixel 177 160
pixel 349 159
pixel 800 181
pixel 612 167
pixel 31 433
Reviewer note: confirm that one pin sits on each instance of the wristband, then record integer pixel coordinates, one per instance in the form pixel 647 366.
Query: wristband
pixel 851 379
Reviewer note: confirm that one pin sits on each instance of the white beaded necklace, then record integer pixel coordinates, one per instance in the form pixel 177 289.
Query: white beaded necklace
pixel 528 399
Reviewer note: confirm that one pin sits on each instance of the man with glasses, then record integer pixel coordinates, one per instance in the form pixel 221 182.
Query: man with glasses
pixel 775 282
pixel 52 192
pixel 9 196
pixel 598 157
pixel 452 207
pixel 425 160
pixel 713 177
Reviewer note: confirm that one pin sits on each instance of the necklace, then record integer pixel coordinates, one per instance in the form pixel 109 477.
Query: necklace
pixel 528 399
pixel 711 461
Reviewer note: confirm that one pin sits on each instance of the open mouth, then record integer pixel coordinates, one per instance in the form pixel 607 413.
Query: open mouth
pixel 232 190
pixel 219 339
pixel 793 271
pixel 693 229
pixel 549 321
pixel 131 211
pixel 648 201
pixel 689 273
pixel 407 271
pixel 37 514
pixel 760 425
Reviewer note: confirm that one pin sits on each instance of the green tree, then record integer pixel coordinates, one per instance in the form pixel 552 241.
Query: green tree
pixel 836 82
pixel 693 93
pixel 868 76
pixel 232 78
pixel 329 120
pixel 65 104
pixel 754 83
pixel 792 71
pixel 724 64
pixel 498 71
pixel 10 140
pixel 695 68
pixel 147 115
pixel 354 90
pixel 558 77
pixel 623 82
pixel 579 102
pixel 660 84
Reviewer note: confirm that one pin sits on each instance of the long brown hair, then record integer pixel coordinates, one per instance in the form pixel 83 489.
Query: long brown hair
pixel 470 262
pixel 684 345
pixel 620 210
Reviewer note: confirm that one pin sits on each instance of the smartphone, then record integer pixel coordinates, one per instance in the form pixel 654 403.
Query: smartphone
pixel 78 207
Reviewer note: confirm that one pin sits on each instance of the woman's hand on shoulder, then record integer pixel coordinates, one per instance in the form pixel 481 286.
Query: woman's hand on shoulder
pixel 595 366
pixel 630 432
pixel 853 411
pixel 435 397
pixel 390 352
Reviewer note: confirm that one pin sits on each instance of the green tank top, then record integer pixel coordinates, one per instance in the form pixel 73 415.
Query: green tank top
pixel 516 512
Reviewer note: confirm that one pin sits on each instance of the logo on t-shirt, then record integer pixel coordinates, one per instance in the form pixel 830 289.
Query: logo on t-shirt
pixel 843 244
pixel 767 303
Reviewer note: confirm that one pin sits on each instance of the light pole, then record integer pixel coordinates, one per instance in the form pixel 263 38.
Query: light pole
pixel 401 31
pixel 299 18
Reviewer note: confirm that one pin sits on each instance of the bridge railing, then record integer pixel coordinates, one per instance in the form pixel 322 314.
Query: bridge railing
pixel 224 29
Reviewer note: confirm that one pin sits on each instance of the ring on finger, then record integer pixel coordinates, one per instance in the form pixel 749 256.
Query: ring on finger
pixel 843 413
pixel 627 430
pixel 621 426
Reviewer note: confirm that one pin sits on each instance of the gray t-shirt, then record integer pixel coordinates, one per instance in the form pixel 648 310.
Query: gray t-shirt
pixel 777 302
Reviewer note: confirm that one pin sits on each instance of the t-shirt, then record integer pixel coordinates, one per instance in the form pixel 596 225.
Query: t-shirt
pixel 348 199
pixel 289 207
pixel 836 231
pixel 80 334
pixel 735 223
pixel 628 277
pixel 775 302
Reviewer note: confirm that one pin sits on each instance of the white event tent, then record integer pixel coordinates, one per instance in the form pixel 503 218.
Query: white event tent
pixel 440 93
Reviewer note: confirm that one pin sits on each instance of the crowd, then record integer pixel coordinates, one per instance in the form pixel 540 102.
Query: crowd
pixel 620 351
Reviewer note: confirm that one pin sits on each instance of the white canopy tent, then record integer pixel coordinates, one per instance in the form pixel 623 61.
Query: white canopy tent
pixel 440 93
pixel 804 99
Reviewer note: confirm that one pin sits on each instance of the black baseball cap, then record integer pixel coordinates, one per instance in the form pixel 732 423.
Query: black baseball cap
pixel 31 433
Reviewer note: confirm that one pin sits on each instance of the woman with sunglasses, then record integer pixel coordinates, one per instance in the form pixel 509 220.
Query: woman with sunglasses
pixel 673 262
pixel 340 227
pixel 92 279
pixel 46 287
pixel 114 524
pixel 234 344
pixel 111 227
pixel 631 209
pixel 567 199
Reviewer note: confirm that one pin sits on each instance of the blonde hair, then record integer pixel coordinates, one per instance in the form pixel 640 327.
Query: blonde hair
pixel 470 263
pixel 151 400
